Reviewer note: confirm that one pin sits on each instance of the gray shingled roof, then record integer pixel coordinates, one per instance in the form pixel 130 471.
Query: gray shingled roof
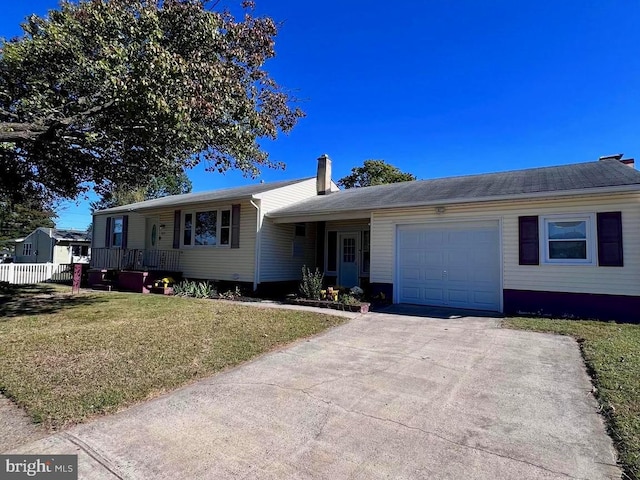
pixel 71 235
pixel 470 188
pixel 246 191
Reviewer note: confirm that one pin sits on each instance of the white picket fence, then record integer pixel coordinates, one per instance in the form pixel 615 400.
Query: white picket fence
pixel 24 273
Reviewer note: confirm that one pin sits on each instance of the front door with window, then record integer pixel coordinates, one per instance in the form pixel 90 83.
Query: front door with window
pixel 348 260
pixel 152 234
pixel 151 242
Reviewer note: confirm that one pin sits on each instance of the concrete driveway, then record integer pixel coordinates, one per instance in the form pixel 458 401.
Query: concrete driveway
pixel 384 396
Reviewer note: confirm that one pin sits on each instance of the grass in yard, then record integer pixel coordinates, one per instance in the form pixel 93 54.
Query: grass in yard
pixel 95 353
pixel 612 354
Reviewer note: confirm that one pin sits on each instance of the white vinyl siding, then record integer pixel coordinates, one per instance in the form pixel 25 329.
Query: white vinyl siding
pixel 62 254
pixel 277 260
pixel 135 232
pixel 98 231
pixel 543 277
pixel 283 254
pixel 229 264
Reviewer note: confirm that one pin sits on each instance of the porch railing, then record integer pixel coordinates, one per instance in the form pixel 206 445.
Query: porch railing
pixel 135 259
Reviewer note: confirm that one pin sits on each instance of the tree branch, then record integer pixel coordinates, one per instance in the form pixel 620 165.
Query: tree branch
pixel 30 132
pixel 8 114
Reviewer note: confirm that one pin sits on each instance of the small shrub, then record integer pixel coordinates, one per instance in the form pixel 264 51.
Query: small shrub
pixel 311 285
pixel 188 288
pixel 232 294
pixel 348 299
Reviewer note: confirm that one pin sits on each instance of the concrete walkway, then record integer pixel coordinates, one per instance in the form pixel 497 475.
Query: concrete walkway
pixel 383 396
pixel 16 428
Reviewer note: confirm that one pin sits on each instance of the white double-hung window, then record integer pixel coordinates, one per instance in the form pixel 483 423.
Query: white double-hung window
pixel 569 239
pixel 207 228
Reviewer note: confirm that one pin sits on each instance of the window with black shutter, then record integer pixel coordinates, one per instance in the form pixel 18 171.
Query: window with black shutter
pixel 610 252
pixel 529 240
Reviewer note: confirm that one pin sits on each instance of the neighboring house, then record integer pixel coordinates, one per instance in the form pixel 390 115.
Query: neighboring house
pixel 559 240
pixel 53 245
pixel 6 256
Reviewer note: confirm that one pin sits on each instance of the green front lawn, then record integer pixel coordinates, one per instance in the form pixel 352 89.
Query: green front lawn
pixel 612 354
pixel 67 358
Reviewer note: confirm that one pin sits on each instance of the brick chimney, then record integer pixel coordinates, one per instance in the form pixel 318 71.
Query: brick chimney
pixel 630 162
pixel 323 179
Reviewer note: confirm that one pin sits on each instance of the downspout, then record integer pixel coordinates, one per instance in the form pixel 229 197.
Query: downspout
pixel 256 268
pixel 53 244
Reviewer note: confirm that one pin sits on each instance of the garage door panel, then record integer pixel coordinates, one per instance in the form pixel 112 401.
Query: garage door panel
pixel 411 293
pixel 433 296
pixel 454 265
pixel 457 259
pixel 432 274
pixel 434 238
pixel 485 298
pixel 457 295
pixel 459 274
pixel 413 257
pixel 412 273
pixel 433 259
pixel 456 237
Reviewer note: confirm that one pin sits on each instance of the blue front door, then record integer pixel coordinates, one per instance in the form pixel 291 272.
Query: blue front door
pixel 348 273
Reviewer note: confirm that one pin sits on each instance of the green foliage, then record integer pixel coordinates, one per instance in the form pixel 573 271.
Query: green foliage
pixel 168 185
pixel 188 288
pixel 157 187
pixel 116 92
pixel 231 294
pixel 374 172
pixel 311 285
pixel 348 299
pixel 18 220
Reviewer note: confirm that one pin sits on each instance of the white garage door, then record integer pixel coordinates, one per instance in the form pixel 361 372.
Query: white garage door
pixel 452 265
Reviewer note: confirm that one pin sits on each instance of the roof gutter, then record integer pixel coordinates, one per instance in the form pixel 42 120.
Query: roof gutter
pixel 125 208
pixel 282 218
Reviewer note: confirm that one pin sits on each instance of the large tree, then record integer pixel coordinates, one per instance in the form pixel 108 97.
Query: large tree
pixel 158 187
pixel 374 172
pixel 104 92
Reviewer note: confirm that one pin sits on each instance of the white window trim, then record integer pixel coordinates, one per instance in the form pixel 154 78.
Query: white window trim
pixel 591 239
pixel 219 227
pixel 30 249
pixel 359 229
pixel 113 232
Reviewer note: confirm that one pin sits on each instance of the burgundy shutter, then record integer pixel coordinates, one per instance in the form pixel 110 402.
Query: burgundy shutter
pixel 235 226
pixel 107 234
pixel 125 230
pixel 529 240
pixel 610 239
pixel 176 229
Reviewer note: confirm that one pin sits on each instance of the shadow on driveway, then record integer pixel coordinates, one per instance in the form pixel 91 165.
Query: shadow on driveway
pixel 436 312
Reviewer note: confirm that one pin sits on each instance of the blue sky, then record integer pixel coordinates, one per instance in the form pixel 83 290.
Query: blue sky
pixel 441 88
